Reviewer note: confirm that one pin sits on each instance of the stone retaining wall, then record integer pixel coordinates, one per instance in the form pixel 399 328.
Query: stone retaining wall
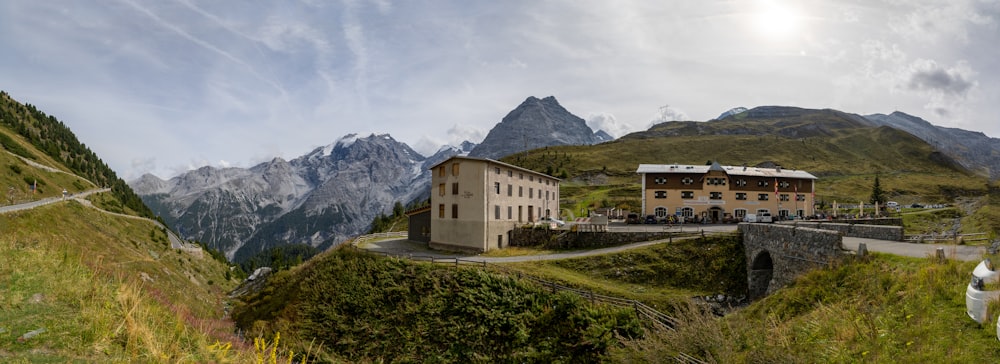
pixel 879 232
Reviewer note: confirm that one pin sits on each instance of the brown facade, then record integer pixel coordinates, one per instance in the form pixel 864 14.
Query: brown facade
pixel 724 194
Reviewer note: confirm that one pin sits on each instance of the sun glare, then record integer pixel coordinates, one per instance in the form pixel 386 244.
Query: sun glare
pixel 774 20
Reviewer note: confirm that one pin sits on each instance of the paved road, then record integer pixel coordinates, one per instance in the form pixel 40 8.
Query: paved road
pixel 960 252
pixel 175 241
pixel 46 201
pixel 406 247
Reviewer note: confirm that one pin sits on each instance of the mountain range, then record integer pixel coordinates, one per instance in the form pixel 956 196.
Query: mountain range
pixel 974 151
pixel 334 192
pixel 318 199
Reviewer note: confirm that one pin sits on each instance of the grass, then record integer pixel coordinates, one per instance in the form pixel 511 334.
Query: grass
pixel 516 251
pixel 886 309
pixel 361 307
pixel 845 160
pixel 104 290
pixel 659 275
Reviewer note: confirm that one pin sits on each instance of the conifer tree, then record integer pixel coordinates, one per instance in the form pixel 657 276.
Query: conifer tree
pixel 878 196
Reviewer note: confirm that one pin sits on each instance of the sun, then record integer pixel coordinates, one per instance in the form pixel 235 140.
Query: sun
pixel 775 21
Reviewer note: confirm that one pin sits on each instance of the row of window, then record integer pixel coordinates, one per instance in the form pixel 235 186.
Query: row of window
pixel 739 196
pixel 549 195
pixel 454 170
pixel 531 178
pixel 510 173
pixel 714 181
pixel 662 212
pixel 496 212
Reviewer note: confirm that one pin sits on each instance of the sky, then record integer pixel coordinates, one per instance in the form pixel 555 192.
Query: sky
pixel 166 86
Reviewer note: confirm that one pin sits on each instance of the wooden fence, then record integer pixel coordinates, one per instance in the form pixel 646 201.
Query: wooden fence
pixel 651 317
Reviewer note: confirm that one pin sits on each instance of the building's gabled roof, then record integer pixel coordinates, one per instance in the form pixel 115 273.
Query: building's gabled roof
pixel 493 161
pixel 730 170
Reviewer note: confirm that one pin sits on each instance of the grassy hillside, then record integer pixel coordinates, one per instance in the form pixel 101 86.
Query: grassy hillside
pixel 844 155
pixel 354 306
pixel 30 133
pixel 887 309
pixel 660 276
pixel 81 285
pixel 104 288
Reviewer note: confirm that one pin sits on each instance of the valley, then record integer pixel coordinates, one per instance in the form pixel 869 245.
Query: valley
pixel 82 284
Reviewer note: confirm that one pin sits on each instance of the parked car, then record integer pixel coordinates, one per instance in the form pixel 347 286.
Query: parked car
pixel 650 219
pixel 750 218
pixel 978 294
pixel 765 217
pixel 632 219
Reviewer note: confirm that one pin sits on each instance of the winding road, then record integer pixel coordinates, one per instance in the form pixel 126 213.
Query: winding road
pixel 406 247
pixel 175 241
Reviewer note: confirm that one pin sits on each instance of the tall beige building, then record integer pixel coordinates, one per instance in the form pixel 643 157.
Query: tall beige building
pixel 714 192
pixel 477 202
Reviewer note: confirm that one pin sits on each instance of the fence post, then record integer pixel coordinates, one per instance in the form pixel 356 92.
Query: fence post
pixel 635 306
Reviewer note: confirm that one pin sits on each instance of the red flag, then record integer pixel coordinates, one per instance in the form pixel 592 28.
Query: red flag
pixel 796 191
pixel 775 187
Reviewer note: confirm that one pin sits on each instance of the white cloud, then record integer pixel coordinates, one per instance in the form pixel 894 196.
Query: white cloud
pixel 608 123
pixel 460 133
pixel 668 113
pixel 193 83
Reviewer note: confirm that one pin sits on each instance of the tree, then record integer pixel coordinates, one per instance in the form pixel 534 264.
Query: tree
pixel 397 209
pixel 878 196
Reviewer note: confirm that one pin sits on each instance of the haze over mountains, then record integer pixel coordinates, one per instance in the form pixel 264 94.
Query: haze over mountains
pixel 334 192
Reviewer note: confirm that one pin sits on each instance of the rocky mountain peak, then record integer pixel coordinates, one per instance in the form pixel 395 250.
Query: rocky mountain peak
pixel 535 123
pixel 149 184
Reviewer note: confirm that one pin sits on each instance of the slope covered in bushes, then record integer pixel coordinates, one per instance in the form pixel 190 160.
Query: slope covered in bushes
pixel 358 306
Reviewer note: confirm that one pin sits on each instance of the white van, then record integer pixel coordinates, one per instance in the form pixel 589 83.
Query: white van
pixel 750 218
pixel 977 297
pixel 765 217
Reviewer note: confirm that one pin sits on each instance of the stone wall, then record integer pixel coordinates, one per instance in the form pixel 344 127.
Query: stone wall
pixel 778 253
pixel 563 239
pixel 879 232
pixel 890 221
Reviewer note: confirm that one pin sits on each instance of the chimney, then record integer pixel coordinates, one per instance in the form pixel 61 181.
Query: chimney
pixel 744 167
pixel 778 168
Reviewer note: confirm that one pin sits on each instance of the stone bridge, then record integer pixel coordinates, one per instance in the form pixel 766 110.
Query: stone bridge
pixel 778 253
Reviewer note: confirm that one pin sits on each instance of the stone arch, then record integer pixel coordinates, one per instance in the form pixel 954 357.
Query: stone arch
pixel 761 272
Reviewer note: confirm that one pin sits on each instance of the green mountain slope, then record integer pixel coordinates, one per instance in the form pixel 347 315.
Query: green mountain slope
pixel 843 153
pixel 363 307
pixel 90 280
pixel 53 144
